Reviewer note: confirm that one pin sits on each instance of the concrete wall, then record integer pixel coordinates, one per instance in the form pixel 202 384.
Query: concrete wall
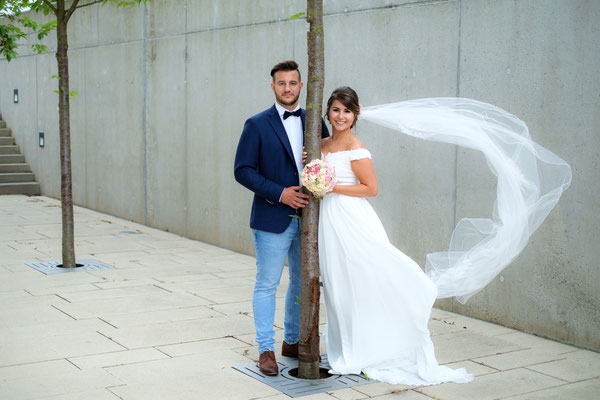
pixel 165 89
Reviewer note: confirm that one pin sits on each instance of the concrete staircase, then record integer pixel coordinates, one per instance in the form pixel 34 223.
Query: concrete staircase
pixel 15 175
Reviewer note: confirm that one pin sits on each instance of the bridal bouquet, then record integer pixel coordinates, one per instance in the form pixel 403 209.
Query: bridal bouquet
pixel 318 176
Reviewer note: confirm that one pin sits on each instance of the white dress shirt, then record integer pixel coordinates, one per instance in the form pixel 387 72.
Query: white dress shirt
pixel 293 129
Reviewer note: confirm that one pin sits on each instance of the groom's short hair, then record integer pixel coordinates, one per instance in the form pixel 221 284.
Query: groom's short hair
pixel 288 65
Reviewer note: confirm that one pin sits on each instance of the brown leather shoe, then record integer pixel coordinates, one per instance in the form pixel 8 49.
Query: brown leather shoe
pixel 289 350
pixel 267 363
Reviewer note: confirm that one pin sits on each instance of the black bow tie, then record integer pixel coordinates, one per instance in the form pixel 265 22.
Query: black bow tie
pixel 287 114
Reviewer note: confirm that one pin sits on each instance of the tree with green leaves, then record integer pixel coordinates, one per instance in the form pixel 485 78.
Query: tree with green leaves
pixel 308 350
pixel 16 25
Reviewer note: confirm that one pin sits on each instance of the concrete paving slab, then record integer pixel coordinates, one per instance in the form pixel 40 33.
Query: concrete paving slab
pixel 439 326
pixel 576 366
pixel 31 279
pixel 191 277
pixel 93 394
pixel 19 371
pixel 126 283
pixel 477 325
pixel 54 382
pixel 14 294
pixel 318 396
pixel 250 339
pixel 348 394
pixel 468 345
pixel 405 395
pixel 226 386
pixel 249 272
pixel 30 314
pixel 63 290
pixel 160 317
pixel 539 343
pixel 131 304
pixel 131 272
pixel 44 342
pixel 519 358
pixel 587 389
pixel 201 347
pixel 117 358
pixel 199 286
pixel 226 295
pixel 472 367
pixel 178 368
pixel 34 301
pixel 378 389
pixel 183 331
pixel 494 386
pixel 115 293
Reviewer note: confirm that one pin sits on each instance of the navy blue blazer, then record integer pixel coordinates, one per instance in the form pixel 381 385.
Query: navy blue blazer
pixel 264 163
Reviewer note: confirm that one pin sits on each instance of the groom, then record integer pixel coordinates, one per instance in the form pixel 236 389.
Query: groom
pixel 268 161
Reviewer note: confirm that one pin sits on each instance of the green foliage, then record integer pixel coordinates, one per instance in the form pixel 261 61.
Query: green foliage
pixel 20 13
pixel 296 16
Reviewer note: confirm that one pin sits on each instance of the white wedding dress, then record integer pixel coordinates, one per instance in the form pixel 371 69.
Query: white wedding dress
pixel 378 299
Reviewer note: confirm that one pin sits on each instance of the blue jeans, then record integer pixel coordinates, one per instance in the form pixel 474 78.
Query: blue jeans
pixel 271 251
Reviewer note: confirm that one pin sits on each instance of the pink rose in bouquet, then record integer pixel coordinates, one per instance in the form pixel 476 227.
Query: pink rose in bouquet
pixel 318 176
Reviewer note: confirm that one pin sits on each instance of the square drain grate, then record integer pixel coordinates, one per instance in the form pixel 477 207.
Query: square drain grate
pixel 296 387
pixel 52 267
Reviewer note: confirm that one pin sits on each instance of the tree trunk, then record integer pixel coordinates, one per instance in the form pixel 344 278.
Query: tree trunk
pixel 66 191
pixel 308 358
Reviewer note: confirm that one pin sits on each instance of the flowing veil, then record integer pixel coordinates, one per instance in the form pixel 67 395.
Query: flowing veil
pixel 531 180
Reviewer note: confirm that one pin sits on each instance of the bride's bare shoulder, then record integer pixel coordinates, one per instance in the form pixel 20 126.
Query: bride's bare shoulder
pixel 355 143
pixel 325 142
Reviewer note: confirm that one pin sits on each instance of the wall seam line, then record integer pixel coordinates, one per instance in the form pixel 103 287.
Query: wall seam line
pixel 145 107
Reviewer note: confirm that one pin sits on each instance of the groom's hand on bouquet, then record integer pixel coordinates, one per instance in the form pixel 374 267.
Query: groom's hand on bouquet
pixel 293 198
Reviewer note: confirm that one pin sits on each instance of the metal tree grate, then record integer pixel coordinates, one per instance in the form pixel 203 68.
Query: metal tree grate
pixel 52 267
pixel 296 387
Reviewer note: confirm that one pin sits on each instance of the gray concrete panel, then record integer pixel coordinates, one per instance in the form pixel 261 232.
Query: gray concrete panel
pixel 353 6
pixel 166 135
pixel 78 72
pixel 115 143
pixel 120 24
pixel 45 161
pixel 167 17
pixel 540 63
pixel 83 27
pixel 207 15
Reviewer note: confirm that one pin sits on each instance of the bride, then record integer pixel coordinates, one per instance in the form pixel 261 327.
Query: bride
pixel 378 299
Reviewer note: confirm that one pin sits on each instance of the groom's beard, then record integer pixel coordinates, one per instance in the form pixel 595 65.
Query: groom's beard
pixel 284 102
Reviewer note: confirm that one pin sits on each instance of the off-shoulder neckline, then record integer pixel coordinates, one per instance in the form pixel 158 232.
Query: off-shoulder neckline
pixel 344 151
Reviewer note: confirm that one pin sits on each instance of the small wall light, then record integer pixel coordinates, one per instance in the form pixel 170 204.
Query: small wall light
pixel 41 139
pixel 16 95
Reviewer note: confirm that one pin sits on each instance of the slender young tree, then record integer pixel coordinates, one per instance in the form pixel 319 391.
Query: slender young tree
pixel 308 357
pixel 18 11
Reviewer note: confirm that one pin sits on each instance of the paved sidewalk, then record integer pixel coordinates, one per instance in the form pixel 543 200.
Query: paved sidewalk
pixel 175 316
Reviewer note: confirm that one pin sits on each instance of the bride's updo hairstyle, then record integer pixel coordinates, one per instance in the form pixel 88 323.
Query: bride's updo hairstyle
pixel 348 97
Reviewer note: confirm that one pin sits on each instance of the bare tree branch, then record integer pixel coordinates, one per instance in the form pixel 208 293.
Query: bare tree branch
pixel 54 9
pixel 71 9
pixel 90 4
